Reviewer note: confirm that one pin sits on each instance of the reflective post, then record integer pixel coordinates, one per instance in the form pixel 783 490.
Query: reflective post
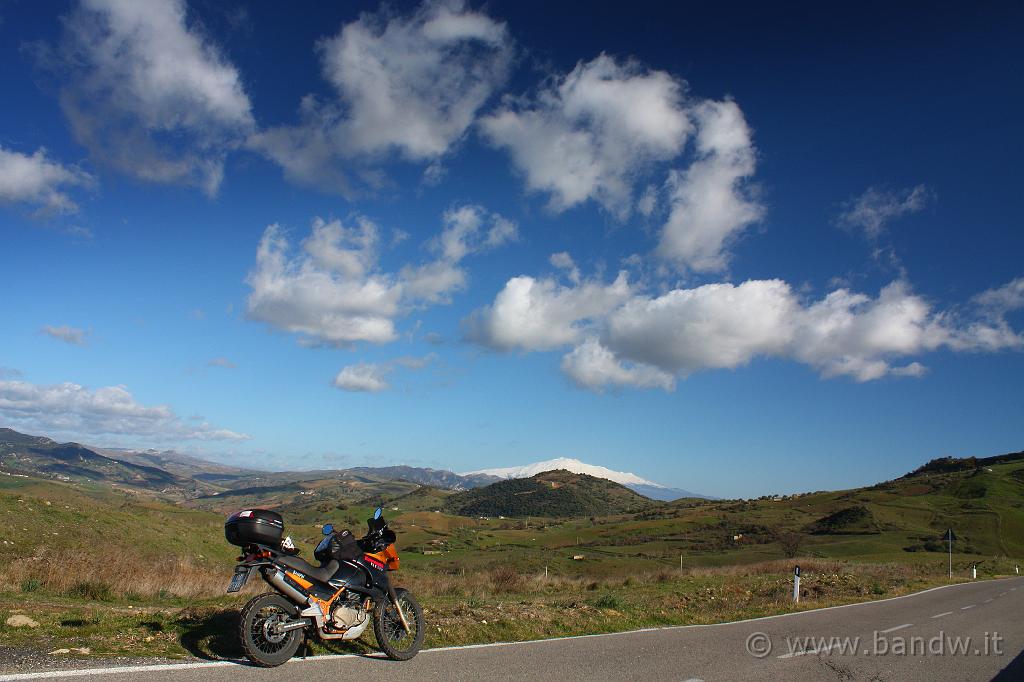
pixel 796 583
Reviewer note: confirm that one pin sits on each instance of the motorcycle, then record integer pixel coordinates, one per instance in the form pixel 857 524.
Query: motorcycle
pixel 335 600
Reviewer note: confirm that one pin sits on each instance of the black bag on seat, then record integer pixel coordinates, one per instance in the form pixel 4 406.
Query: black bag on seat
pixel 341 546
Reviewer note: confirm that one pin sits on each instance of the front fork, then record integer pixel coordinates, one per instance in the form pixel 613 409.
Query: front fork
pixel 398 607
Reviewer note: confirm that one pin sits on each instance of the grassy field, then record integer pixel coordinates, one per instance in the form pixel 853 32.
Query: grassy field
pixel 147 576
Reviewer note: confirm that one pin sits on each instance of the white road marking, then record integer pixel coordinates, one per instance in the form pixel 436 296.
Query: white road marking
pixel 988 600
pixel 898 627
pixel 940 615
pixel 969 606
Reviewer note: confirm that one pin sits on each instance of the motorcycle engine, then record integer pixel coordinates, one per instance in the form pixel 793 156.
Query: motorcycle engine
pixel 347 614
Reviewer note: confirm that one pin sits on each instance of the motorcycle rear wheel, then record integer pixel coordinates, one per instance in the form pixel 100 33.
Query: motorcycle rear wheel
pixel 260 643
pixel 392 638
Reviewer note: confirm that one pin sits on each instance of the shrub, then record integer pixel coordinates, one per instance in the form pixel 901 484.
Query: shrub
pixel 30 585
pixel 91 589
pixel 506 579
pixel 790 543
pixel 609 601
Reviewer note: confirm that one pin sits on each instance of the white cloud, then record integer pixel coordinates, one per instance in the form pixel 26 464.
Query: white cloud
pixel 541 314
pixel 563 261
pixel 598 131
pixel 1003 299
pixel 148 93
pixel 110 410
pixel 72 335
pixel 372 377
pixel 298 294
pixel 590 365
pixel 586 135
pixel 467 230
pixel 873 210
pixel 222 362
pixel 410 84
pixel 648 201
pixel 334 292
pixel 631 339
pixel 38 181
pixel 709 204
pixel 711 326
pixel 364 377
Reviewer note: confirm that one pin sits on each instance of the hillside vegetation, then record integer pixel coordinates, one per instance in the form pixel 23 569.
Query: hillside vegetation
pixel 556 494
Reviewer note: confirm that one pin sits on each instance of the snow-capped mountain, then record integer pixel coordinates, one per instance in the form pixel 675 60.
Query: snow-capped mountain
pixel 573 465
pixel 632 481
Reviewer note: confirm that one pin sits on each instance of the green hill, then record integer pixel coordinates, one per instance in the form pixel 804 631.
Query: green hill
pixel 556 494
pixel 41 457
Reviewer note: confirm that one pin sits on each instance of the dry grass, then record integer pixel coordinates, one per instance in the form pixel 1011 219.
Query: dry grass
pixel 102 578
pixel 506 580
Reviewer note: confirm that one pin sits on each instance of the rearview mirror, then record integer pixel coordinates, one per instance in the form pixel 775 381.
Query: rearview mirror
pixel 328 529
pixel 377 513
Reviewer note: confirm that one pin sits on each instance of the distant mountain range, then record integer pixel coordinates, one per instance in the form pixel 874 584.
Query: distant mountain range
pixel 650 489
pixel 176 475
pixel 39 456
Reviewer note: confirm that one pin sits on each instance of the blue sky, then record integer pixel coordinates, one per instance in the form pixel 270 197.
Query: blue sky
pixel 736 250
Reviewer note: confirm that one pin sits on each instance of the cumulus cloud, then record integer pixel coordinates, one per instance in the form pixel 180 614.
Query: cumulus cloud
pixel 872 211
pixel 364 377
pixel 587 134
pixel 148 93
pixel 596 132
pixel 71 335
pixel 541 314
pixel 639 340
pixel 39 181
pixel 367 377
pixel 408 84
pixel 592 366
pixel 334 291
pixel 563 261
pixel 110 410
pixel 709 202
pixel 309 296
pixel 467 230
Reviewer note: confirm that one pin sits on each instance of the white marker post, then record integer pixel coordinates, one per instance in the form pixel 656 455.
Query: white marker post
pixel 949 538
pixel 974 572
pixel 1017 569
pixel 796 583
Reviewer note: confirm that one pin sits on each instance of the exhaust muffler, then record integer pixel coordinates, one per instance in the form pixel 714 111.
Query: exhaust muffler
pixel 277 580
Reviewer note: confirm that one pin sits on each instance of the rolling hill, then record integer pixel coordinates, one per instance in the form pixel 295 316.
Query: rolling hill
pixel 557 494
pixel 41 457
pixel 650 489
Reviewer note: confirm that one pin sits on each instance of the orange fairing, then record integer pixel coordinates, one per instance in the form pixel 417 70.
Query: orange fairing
pixel 389 557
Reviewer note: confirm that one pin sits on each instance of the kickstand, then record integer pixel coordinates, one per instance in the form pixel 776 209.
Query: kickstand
pixel 305 648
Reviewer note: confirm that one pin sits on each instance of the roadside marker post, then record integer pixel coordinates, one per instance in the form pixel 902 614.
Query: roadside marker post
pixel 949 538
pixel 974 572
pixel 796 583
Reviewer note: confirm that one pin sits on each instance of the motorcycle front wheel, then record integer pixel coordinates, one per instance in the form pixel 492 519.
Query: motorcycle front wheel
pixel 392 638
pixel 261 643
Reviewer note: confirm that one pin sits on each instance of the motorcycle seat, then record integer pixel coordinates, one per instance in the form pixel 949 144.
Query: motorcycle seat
pixel 322 573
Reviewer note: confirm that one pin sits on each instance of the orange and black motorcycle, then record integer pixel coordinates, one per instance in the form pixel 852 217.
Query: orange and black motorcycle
pixel 334 600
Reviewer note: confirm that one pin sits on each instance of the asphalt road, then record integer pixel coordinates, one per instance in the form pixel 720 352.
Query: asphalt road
pixel 973 631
